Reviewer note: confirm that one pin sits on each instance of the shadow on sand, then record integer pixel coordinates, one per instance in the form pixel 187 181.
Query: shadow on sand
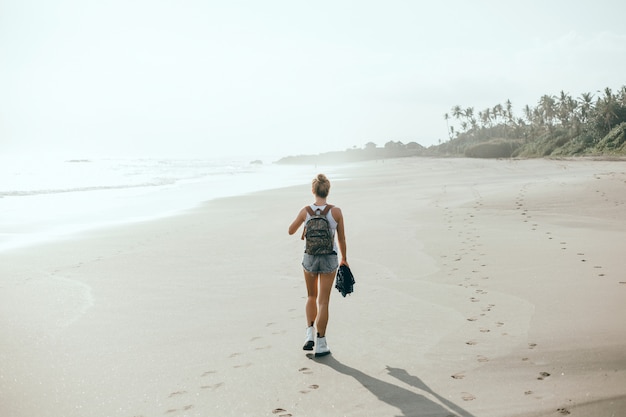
pixel 410 403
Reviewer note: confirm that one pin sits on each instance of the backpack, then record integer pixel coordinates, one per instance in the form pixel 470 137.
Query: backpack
pixel 319 236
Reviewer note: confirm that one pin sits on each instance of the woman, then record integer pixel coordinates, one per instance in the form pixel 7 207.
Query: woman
pixel 320 270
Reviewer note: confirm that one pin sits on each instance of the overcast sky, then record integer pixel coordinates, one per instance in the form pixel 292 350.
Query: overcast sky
pixel 210 78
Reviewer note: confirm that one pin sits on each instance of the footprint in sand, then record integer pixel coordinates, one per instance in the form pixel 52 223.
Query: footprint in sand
pixel 466 396
pixel 174 410
pixel 213 387
pixel 532 345
pixel 543 375
pixel 177 393
pixel 459 375
pixel 306 371
pixel 563 411
pixel 243 365
pixel 207 373
pixel 481 358
pixel 281 412
pixel 311 387
pixel 471 342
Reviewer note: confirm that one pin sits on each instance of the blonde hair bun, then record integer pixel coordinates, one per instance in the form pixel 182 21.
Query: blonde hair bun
pixel 321 186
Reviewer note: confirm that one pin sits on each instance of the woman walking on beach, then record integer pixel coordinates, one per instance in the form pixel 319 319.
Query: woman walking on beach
pixel 320 261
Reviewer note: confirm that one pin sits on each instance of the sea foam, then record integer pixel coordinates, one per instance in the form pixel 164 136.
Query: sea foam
pixel 42 200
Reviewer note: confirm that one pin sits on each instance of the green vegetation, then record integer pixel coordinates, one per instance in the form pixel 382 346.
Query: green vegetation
pixel 559 126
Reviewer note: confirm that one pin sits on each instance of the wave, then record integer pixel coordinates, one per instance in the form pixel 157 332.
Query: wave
pixel 25 193
pixel 87 175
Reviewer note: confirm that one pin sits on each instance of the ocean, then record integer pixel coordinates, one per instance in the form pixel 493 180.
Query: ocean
pixel 51 199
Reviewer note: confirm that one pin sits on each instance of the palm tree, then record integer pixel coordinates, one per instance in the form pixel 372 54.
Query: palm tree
pixel 622 96
pixel 566 109
pixel 469 115
pixel 586 105
pixel 506 113
pixel 496 113
pixel 606 109
pixel 457 112
pixel 538 117
pixel 447 117
pixel 547 110
pixel 485 117
pixel 509 112
pixel 528 113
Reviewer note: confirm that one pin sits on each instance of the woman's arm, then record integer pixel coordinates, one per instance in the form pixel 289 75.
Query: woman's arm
pixel 341 235
pixel 295 225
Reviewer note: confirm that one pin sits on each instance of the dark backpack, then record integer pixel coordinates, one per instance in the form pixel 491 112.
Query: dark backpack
pixel 318 233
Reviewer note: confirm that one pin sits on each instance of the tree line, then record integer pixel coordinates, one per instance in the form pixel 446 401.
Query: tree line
pixel 558 124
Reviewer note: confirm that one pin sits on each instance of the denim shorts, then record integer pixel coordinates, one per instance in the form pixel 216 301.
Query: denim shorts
pixel 320 264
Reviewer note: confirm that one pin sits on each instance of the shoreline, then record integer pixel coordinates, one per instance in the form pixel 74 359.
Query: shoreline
pixel 483 288
pixel 35 216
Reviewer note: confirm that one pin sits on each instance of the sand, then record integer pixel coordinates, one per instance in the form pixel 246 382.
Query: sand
pixel 484 288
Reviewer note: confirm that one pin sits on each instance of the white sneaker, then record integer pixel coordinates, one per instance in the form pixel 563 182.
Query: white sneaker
pixel 309 341
pixel 322 348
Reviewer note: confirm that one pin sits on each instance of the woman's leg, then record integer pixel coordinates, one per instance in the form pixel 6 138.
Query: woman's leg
pixel 311 300
pixel 325 287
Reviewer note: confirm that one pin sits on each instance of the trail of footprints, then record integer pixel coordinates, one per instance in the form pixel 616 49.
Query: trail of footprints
pixel 470 258
pixel 469 254
pixel 563 245
pixel 521 204
pixel 210 381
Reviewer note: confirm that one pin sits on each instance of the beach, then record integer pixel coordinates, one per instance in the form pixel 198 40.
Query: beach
pixel 484 288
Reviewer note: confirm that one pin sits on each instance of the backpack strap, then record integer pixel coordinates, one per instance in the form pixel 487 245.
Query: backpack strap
pixel 323 212
pixel 327 209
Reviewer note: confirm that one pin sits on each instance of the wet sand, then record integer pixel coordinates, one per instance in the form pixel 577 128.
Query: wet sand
pixel 484 288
